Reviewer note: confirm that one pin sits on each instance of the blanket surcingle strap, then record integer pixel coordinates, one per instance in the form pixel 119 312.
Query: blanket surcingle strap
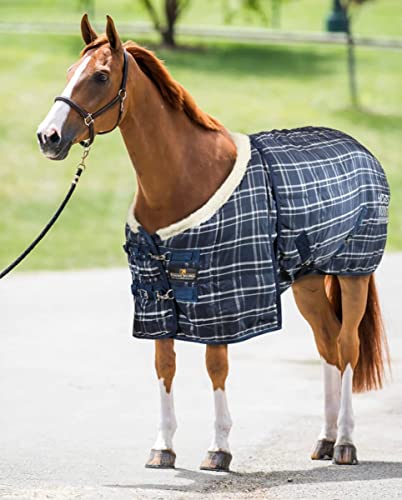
pixel 302 201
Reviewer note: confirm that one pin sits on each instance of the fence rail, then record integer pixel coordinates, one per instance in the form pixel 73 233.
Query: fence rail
pixel 228 33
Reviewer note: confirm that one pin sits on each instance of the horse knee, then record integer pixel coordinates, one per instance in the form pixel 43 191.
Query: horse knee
pixel 217 365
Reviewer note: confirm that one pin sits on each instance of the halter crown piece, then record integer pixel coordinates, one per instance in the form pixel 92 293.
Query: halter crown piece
pixel 89 118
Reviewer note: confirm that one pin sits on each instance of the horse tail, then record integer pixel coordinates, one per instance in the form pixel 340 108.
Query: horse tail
pixel 369 372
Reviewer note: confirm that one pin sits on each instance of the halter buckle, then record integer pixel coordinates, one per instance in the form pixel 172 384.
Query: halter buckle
pixel 122 95
pixel 88 120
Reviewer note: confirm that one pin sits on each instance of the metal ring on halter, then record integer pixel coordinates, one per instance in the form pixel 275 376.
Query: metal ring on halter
pixel 89 122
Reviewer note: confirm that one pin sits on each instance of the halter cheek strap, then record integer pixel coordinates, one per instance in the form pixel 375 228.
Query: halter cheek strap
pixel 89 118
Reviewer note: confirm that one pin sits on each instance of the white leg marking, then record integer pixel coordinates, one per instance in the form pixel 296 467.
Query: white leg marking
pixel 168 424
pixel 346 421
pixel 59 111
pixel 223 423
pixel 332 400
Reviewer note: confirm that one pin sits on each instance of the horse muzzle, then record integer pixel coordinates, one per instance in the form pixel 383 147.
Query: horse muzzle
pixel 52 144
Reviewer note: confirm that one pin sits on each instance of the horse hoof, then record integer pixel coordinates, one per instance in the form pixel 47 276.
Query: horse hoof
pixel 161 459
pixel 324 450
pixel 217 461
pixel 345 454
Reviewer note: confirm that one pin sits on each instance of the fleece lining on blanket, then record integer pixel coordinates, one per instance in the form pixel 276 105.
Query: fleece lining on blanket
pixel 310 200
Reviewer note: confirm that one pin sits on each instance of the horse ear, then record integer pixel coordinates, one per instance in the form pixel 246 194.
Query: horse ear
pixel 88 33
pixel 112 35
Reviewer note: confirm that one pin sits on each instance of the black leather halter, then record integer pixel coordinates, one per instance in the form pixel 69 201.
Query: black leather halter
pixel 89 118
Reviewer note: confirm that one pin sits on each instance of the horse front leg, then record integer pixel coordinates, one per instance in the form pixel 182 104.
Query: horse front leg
pixel 162 454
pixel 219 456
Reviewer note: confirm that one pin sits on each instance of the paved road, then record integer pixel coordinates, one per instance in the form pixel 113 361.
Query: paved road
pixel 79 403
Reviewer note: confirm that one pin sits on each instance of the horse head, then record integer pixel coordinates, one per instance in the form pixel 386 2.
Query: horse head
pixel 93 100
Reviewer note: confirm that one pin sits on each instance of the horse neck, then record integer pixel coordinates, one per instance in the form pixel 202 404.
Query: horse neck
pixel 178 164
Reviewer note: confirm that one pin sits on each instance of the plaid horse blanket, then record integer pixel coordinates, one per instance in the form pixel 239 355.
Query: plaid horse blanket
pixel 301 201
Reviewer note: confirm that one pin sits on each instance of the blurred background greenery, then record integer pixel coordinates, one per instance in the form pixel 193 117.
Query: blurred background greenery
pixel 248 86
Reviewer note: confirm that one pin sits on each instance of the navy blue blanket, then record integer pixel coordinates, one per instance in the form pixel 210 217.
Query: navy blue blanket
pixel 312 200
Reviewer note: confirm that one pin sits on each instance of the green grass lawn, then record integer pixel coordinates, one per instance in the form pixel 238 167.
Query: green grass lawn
pixel 248 87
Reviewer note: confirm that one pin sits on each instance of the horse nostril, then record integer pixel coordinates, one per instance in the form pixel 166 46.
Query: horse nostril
pixel 40 139
pixel 54 137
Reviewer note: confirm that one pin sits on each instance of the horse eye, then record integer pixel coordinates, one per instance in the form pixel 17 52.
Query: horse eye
pixel 101 77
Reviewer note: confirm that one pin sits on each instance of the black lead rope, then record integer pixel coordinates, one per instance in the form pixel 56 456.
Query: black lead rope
pixel 89 119
pixel 50 224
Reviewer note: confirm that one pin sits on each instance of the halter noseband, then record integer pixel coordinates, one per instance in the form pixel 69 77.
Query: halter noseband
pixel 89 118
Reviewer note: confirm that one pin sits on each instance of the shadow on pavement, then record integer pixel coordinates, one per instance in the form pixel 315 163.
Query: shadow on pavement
pixel 253 481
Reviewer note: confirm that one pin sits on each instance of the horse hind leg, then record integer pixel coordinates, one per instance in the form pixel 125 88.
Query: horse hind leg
pixel 354 294
pixel 312 300
pixel 219 457
pixel 324 448
pixel 162 455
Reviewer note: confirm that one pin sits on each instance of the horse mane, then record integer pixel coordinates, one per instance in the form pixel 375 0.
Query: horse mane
pixel 171 90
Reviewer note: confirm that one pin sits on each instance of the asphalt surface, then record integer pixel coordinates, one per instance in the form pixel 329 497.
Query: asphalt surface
pixel 79 402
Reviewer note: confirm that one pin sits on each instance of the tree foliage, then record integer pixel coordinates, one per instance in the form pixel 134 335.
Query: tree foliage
pixel 267 11
pixel 349 7
pixel 87 6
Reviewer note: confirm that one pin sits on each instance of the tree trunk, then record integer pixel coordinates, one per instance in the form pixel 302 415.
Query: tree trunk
pixel 172 12
pixel 168 37
pixel 352 67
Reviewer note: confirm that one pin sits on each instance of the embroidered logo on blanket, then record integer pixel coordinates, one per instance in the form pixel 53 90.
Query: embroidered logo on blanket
pixel 383 200
pixel 178 273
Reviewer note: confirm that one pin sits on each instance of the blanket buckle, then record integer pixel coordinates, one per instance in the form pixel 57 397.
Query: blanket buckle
pixel 169 295
pixel 163 257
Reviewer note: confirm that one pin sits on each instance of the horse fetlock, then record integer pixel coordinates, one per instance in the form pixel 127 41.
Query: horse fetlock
pixel 345 435
pixel 329 431
pixel 164 441
pixel 220 440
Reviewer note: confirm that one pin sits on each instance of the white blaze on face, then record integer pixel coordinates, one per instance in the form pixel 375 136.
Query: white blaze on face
pixel 59 111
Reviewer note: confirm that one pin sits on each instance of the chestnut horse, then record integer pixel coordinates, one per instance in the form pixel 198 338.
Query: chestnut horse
pixel 181 156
